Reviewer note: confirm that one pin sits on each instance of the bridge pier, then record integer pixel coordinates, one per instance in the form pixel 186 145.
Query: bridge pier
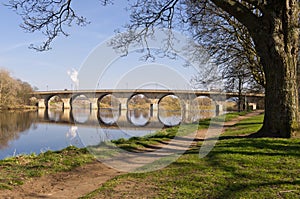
pixel 43 114
pixel 154 115
pixel 219 109
pixel 66 116
pixel 154 108
pixel 122 117
pixel 94 117
pixel 93 103
pixel 185 111
pixel 42 104
pixel 123 102
pixel 66 103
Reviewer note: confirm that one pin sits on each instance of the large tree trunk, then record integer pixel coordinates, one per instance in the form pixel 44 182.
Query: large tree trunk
pixel 281 97
pixel 277 44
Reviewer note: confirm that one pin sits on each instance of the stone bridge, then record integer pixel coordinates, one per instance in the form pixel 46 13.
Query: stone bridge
pixel 185 96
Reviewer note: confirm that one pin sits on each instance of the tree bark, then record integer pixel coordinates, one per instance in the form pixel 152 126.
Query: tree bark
pixel 277 44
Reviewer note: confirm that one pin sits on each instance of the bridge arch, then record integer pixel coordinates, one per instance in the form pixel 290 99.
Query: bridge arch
pixel 80 101
pixel 55 102
pixel 138 100
pixel 138 109
pixel 109 109
pixel 170 110
pixel 232 104
pixel 203 107
pixel 45 102
pixel 108 101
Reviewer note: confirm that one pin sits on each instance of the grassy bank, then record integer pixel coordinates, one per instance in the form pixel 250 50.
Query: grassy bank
pixel 246 126
pixel 14 171
pixel 235 168
pixel 239 168
pixel 139 143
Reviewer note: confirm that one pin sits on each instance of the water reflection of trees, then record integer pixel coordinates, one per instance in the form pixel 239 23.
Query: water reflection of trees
pixel 14 123
pixel 137 113
pixel 170 111
pixel 138 117
pixel 108 116
pixel 170 117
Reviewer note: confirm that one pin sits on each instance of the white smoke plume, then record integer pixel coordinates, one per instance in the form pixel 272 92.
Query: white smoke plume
pixel 74 78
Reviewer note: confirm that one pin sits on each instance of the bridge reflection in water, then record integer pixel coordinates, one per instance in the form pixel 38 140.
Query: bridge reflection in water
pixel 92 126
pixel 52 129
pixel 131 118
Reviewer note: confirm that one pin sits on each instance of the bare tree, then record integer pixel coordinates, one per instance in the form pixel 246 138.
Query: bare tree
pixel 236 78
pixel 271 25
pixel 13 92
pixel 226 40
pixel 239 78
pixel 8 87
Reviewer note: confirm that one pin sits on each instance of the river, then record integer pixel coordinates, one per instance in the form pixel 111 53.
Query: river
pixel 43 130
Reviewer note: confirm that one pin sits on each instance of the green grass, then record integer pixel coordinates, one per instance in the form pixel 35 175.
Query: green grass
pixel 236 168
pixel 233 115
pixel 140 143
pixel 15 170
pixel 246 126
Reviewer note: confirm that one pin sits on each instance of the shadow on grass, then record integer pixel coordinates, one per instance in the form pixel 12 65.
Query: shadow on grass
pixel 259 168
pixel 235 168
pixel 263 146
pixel 234 190
pixel 242 124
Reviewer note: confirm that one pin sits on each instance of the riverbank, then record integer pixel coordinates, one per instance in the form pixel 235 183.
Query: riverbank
pixel 237 167
pixel 235 160
pixel 18 108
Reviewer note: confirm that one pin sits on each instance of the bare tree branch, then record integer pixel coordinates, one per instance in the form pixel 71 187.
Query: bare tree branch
pixel 239 11
pixel 49 17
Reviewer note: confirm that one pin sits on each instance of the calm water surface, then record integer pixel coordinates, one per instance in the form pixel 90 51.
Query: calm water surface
pixel 40 131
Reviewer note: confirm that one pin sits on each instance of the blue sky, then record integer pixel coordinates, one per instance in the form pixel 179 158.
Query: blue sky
pixel 49 69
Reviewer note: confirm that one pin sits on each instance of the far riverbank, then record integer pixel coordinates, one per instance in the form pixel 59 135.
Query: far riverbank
pixel 18 108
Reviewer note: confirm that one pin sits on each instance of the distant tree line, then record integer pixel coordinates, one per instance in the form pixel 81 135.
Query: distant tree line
pixel 14 93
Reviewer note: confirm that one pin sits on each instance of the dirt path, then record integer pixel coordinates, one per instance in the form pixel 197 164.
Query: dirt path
pixel 82 180
pixel 73 184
